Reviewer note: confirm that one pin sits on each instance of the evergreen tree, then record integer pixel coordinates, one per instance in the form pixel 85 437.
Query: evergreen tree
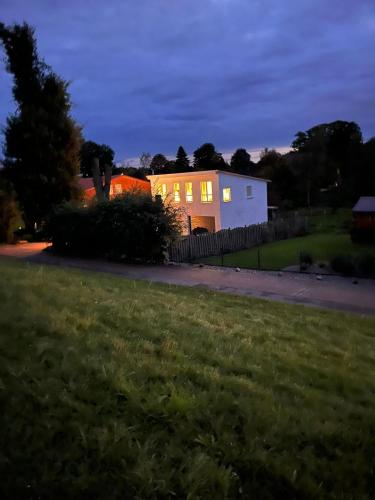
pixel 182 163
pixel 42 142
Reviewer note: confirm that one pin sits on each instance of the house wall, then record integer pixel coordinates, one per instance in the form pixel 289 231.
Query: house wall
pixel 242 211
pixel 196 208
pixel 364 220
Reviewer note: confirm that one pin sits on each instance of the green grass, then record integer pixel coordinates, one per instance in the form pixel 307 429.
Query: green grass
pixel 112 388
pixel 331 222
pixel 280 254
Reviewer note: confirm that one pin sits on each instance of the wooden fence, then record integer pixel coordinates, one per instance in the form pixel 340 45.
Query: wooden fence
pixel 192 247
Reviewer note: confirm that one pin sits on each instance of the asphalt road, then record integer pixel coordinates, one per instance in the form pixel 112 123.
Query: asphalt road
pixel 333 292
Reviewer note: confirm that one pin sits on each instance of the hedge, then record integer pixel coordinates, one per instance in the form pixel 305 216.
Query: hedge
pixel 133 228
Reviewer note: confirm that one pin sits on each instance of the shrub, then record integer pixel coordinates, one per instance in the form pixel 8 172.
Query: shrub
pixel 10 215
pixel 366 264
pixel 359 235
pixel 344 264
pixel 131 228
pixel 305 258
pixel 199 230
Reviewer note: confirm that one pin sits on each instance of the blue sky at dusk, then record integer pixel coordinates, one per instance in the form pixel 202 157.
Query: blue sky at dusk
pixel 149 75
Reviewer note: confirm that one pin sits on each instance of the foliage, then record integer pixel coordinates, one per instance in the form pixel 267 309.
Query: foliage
pixel 42 142
pixel 199 230
pixel 305 259
pixel 10 215
pixel 362 235
pixel 241 162
pixel 90 150
pixel 366 264
pixel 127 389
pixel 207 158
pixel 282 191
pixel 132 228
pixel 344 264
pixel 158 164
pixel 182 163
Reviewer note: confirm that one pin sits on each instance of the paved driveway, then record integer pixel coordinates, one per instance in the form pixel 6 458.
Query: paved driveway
pixel 331 292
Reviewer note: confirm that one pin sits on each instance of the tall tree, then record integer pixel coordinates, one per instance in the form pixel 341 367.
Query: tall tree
pixel 241 162
pixel 182 163
pixel 42 141
pixel 329 154
pixel 90 150
pixel 159 164
pixel 207 158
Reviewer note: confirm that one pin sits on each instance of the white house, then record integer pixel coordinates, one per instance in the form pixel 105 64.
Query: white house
pixel 214 199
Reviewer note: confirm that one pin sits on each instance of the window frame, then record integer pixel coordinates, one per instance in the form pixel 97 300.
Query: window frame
pixel 189 193
pixel 176 192
pixel 229 190
pixel 251 191
pixel 206 196
pixel 161 190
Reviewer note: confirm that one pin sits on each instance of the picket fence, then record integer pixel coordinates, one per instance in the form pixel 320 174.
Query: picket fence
pixel 189 248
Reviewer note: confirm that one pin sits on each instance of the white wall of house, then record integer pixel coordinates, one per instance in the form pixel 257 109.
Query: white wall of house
pixel 241 210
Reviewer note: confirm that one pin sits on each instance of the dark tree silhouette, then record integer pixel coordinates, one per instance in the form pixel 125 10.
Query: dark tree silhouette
pixel 42 141
pixel 159 164
pixel 91 150
pixel 207 158
pixel 182 163
pixel 241 162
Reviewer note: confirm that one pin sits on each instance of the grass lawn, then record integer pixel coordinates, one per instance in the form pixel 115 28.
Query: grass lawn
pixel 274 256
pixel 331 222
pixel 121 389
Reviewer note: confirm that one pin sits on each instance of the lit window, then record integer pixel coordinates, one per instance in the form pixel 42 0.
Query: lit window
pixel 176 192
pixel 249 191
pixel 111 190
pixel 227 195
pixel 206 191
pixel 161 190
pixel 189 192
pixel 118 189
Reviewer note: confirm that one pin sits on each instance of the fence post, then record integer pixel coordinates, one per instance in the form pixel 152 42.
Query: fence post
pixel 258 257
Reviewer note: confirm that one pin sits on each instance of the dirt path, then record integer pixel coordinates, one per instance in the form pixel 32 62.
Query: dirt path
pixel 331 292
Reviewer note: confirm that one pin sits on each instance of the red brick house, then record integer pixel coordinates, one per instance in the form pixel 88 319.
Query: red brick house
pixel 119 185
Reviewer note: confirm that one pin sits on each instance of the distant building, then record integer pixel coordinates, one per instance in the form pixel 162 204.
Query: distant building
pixel 119 184
pixel 214 199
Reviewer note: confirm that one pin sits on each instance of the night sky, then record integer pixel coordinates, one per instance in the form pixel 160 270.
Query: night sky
pixel 149 75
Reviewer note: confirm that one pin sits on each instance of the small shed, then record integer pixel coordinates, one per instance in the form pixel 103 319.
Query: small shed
pixel 364 213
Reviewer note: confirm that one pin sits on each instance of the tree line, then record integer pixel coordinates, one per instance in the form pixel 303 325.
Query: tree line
pixel 329 164
pixel 44 150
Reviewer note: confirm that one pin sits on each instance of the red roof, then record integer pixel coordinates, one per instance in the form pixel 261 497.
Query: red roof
pixel 127 184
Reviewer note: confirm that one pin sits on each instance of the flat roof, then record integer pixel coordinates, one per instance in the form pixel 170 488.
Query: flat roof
pixel 365 204
pixel 199 172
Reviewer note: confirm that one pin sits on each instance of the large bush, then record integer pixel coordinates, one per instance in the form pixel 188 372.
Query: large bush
pixel 133 228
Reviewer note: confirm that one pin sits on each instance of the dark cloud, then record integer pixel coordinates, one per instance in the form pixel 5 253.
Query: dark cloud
pixel 153 74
